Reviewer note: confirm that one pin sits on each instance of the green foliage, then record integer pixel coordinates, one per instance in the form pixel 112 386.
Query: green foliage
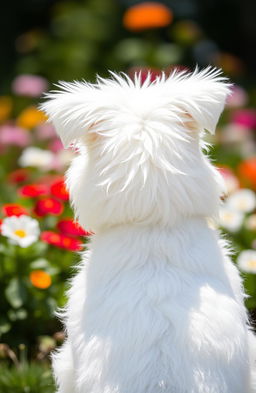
pixel 81 35
pixel 27 311
pixel 26 378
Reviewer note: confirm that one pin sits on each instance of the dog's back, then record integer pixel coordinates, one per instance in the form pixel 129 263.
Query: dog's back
pixel 156 305
pixel 154 310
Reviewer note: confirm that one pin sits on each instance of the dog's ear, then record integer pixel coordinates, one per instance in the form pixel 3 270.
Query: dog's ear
pixel 202 96
pixel 73 109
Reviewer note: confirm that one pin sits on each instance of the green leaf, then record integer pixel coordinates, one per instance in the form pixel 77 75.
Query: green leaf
pixel 19 314
pixel 16 293
pixel 2 248
pixel 40 247
pixel 250 303
pixel 52 304
pixel 4 326
pixel 40 263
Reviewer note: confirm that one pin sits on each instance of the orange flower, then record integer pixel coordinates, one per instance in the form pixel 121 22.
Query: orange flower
pixel 5 108
pixel 247 173
pixel 31 117
pixel 40 279
pixel 148 15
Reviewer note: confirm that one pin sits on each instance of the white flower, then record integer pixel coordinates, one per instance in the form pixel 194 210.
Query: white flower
pixel 247 261
pixel 231 183
pixel 250 222
pixel 233 133
pixel 230 219
pixel 22 230
pixel 65 157
pixel 242 200
pixel 34 156
pixel 230 180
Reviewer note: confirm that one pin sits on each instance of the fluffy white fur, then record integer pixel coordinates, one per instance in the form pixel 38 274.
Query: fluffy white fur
pixel 156 305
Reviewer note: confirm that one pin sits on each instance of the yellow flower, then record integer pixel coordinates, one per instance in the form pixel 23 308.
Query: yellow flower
pixel 40 279
pixel 31 117
pixel 5 108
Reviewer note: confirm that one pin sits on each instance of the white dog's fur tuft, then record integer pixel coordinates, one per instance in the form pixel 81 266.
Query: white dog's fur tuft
pixel 157 305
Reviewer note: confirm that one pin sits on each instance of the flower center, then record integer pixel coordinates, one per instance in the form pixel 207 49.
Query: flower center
pixel 252 263
pixel 20 233
pixel 66 242
pixel 242 204
pixel 228 217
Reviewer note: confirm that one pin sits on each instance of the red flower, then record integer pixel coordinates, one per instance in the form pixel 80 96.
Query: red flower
pixel 177 68
pixel 18 176
pixel 51 238
pixel 59 190
pixel 71 243
pixel 48 206
pixel 61 241
pixel 13 209
pixel 145 72
pixel 71 228
pixel 153 73
pixel 34 190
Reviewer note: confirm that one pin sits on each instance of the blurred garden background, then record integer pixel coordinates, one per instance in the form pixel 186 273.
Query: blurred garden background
pixel 44 41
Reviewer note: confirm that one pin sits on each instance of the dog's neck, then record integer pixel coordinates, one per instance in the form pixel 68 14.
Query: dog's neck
pixel 141 227
pixel 191 246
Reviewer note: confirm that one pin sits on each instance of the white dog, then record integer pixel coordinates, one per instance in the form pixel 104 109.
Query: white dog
pixel 157 305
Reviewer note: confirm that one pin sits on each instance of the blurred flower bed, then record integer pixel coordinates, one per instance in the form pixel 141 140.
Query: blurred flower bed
pixel 39 239
pixel 38 234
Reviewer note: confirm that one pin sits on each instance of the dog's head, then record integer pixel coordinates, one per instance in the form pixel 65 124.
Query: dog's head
pixel 140 145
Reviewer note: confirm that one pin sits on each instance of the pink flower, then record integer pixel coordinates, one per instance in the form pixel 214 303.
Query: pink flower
pixel 29 85
pixel 13 135
pixel 245 117
pixel 55 145
pixel 45 131
pixel 237 98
